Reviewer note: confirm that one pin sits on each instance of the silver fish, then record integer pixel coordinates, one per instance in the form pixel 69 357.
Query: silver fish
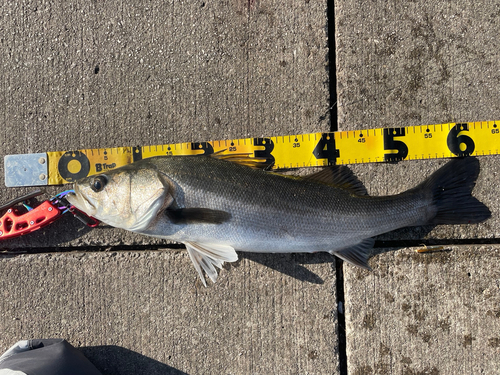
pixel 216 207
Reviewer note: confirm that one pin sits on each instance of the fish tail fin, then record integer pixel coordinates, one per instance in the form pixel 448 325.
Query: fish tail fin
pixel 450 188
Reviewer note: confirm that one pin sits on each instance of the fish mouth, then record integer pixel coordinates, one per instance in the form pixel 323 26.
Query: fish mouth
pixel 81 202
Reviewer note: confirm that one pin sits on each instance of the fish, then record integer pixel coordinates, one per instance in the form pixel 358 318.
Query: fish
pixel 217 207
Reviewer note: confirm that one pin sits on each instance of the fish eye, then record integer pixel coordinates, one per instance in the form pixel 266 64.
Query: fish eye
pixel 98 183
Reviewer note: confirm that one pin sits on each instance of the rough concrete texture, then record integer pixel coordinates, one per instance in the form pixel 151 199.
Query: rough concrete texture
pixel 83 74
pixel 148 313
pixel 416 63
pixel 425 314
pixel 127 73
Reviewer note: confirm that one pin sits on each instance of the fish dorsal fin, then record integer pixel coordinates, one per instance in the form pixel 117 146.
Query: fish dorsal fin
pixel 209 256
pixel 357 254
pixel 339 176
pixel 242 159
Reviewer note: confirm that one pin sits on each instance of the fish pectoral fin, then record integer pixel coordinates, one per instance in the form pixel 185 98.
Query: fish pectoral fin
pixel 357 254
pixel 339 176
pixel 209 256
pixel 197 215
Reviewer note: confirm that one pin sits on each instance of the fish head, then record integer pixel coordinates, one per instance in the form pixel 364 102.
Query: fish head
pixel 129 197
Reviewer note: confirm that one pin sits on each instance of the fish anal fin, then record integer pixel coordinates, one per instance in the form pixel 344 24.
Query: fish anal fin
pixel 339 176
pixel 357 254
pixel 206 257
pixel 197 215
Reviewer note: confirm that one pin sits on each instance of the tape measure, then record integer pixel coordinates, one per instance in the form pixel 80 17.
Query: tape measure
pixel 290 151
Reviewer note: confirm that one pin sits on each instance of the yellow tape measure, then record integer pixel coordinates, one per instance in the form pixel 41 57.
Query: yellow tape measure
pixel 290 151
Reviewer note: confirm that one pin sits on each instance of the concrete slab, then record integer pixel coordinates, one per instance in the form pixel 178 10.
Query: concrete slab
pixel 137 311
pixel 416 63
pixel 88 75
pixel 425 313
pixel 85 75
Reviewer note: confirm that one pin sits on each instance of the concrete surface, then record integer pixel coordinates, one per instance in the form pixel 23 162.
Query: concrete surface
pixel 83 74
pixel 147 312
pixel 416 63
pixel 425 314
pixel 86 74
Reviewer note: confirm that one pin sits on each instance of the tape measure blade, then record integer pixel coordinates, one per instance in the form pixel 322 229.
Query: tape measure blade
pixel 487 138
pixel 286 151
pixel 294 151
pixel 26 170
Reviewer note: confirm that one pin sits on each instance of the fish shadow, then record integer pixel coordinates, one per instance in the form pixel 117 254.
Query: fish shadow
pixel 115 360
pixel 292 264
pixel 393 241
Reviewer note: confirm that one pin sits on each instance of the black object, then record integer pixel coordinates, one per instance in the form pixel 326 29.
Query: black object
pixel 47 357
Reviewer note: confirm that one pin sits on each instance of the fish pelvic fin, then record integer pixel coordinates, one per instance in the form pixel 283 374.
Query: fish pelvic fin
pixel 206 257
pixel 358 254
pixel 450 189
